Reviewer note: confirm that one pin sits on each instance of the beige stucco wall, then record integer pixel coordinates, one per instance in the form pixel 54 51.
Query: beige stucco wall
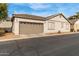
pixel 76 26
pixel 15 28
pixel 57 21
pixel 16 24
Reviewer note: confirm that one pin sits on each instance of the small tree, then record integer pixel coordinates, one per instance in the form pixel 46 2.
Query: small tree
pixel 3 11
pixel 76 16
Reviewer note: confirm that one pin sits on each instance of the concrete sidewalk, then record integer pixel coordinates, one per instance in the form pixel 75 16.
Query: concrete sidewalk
pixel 34 36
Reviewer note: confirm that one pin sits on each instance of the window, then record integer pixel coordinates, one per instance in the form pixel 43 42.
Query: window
pixel 62 25
pixel 66 26
pixel 51 26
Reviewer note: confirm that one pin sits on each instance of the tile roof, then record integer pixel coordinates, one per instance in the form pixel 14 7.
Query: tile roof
pixel 52 16
pixel 27 16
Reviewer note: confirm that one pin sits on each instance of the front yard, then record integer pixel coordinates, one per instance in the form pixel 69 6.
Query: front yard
pixel 7 36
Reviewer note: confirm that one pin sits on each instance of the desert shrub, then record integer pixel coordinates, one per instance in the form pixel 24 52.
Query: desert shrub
pixel 2 31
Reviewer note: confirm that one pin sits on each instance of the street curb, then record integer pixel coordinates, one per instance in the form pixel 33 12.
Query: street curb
pixel 37 36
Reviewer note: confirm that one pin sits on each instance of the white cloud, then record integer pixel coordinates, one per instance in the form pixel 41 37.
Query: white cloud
pixel 39 6
pixel 19 12
pixel 43 14
pixel 20 4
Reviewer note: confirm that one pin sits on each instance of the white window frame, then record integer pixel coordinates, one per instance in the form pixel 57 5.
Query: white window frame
pixel 66 26
pixel 62 25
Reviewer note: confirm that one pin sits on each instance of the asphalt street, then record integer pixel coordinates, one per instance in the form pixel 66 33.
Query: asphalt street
pixel 62 45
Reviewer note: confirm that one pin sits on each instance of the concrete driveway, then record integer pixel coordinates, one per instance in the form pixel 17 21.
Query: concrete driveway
pixel 62 45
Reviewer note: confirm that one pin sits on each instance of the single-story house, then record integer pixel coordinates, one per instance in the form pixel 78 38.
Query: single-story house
pixel 31 24
pixel 5 26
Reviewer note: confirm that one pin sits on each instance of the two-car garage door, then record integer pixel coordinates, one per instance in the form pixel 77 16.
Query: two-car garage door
pixel 30 28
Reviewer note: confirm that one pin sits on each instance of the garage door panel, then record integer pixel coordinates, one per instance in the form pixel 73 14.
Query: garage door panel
pixel 30 28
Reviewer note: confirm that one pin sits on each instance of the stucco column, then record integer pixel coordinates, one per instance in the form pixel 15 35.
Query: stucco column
pixel 16 27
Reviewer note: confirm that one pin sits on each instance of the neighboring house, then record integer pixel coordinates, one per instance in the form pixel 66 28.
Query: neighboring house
pixel 30 24
pixel 76 25
pixel 72 21
pixel 5 26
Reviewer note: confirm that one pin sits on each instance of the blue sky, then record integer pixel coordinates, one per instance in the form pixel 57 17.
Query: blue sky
pixel 43 9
